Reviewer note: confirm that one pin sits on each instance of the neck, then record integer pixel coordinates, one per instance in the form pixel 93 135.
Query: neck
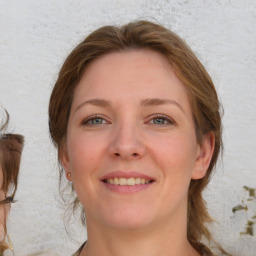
pixel 165 239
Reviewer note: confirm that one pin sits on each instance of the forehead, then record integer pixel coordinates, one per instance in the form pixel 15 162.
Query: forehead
pixel 129 75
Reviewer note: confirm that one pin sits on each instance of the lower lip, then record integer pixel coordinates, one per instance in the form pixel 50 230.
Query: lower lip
pixel 127 189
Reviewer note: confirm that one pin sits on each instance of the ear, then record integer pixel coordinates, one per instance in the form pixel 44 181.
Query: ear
pixel 64 159
pixel 204 156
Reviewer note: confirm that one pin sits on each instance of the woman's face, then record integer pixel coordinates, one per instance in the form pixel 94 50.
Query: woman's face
pixel 131 146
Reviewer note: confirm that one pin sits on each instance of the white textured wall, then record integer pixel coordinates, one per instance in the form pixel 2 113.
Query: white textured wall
pixel 35 37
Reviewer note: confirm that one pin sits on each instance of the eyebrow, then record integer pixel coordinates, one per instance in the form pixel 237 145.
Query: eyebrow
pixel 95 102
pixel 146 103
pixel 157 102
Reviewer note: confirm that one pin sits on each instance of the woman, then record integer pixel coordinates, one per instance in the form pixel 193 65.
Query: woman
pixel 135 118
pixel 11 146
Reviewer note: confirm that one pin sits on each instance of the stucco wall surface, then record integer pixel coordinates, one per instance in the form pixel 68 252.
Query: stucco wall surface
pixel 35 38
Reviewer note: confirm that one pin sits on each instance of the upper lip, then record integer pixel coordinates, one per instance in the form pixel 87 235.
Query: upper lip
pixel 125 174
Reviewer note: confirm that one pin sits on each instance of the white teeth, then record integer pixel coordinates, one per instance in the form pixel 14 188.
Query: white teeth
pixel 131 182
pixel 122 181
pixel 116 181
pixel 127 182
pixel 137 181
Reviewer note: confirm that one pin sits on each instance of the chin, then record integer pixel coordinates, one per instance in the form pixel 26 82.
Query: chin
pixel 129 219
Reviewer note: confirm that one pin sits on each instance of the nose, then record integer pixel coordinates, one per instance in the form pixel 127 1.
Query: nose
pixel 127 143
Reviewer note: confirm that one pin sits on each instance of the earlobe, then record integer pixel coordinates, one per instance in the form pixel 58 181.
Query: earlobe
pixel 63 156
pixel 204 156
pixel 68 176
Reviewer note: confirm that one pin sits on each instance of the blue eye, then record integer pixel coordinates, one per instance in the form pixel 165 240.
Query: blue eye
pixel 161 120
pixel 94 121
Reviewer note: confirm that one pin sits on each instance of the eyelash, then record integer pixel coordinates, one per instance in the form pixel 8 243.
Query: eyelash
pixel 166 119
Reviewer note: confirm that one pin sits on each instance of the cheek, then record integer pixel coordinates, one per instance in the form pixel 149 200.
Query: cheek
pixel 175 154
pixel 84 152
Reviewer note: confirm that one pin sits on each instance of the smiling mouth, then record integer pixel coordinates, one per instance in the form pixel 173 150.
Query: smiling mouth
pixel 127 181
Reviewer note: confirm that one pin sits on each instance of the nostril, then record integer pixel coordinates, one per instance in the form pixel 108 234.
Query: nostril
pixel 133 154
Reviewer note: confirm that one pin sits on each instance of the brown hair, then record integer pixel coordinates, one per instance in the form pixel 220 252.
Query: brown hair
pixel 203 97
pixel 11 146
pixel 10 153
